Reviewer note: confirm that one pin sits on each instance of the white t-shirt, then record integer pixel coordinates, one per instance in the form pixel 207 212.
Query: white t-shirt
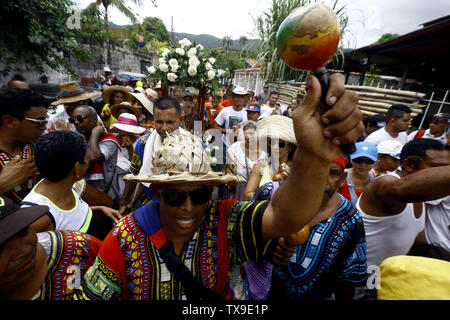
pixel 79 218
pixel 428 135
pixel 437 223
pixel 237 155
pixel 381 135
pixel 230 118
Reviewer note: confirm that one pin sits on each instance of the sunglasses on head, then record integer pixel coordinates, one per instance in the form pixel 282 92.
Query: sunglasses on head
pixel 363 160
pixel 38 122
pixel 80 119
pixel 176 198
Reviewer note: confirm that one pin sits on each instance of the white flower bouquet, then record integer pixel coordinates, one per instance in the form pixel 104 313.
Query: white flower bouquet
pixel 185 65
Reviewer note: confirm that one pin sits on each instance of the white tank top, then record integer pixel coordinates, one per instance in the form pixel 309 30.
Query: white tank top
pixel 79 218
pixel 391 235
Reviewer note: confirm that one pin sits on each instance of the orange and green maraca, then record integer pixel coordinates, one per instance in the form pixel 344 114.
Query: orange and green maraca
pixel 308 37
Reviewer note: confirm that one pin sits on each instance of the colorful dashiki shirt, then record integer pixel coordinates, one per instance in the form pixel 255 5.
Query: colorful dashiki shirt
pixel 129 267
pixel 334 255
pixel 19 192
pixel 69 256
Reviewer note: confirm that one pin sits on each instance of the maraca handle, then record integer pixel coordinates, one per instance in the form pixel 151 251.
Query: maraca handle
pixel 322 76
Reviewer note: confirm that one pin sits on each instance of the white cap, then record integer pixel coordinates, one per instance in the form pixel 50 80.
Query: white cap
pixel 240 90
pixel 392 148
pixel 107 69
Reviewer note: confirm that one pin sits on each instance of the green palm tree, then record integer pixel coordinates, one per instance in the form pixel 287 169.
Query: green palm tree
pixel 226 42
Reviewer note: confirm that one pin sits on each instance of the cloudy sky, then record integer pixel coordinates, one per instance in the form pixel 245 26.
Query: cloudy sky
pixel 368 19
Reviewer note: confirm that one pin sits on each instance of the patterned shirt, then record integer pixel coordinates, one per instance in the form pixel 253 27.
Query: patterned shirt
pixel 129 267
pixel 334 255
pixel 138 154
pixel 69 255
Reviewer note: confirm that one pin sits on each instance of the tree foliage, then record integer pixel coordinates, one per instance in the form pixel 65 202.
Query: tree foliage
pixel 38 33
pixel 386 37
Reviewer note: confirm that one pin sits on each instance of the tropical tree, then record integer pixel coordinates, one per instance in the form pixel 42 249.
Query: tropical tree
pixel 267 25
pixel 39 33
pixel 227 42
pixel 387 37
pixel 243 40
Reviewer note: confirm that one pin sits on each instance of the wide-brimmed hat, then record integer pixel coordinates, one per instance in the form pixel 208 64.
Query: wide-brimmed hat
pixel 13 218
pixel 70 92
pixel 115 109
pixel 182 158
pixel 128 122
pixel 277 127
pixel 147 98
pixel 107 92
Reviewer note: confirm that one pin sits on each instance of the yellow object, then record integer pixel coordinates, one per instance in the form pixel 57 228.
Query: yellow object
pixel 414 278
pixel 299 237
pixel 139 84
pixel 111 119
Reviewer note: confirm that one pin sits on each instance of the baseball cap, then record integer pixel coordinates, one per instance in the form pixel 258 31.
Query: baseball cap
pixel 377 121
pixel 106 69
pixel 365 149
pixel 442 117
pixel 341 161
pixel 391 148
pixel 13 218
pixel 253 107
pixel 240 91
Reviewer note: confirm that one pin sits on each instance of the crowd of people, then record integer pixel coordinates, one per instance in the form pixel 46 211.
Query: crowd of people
pixel 129 201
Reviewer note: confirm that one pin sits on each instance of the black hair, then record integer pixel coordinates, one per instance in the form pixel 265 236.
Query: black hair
pixel 396 111
pixel 57 152
pixel 274 92
pixel 166 103
pixel 374 119
pixel 420 147
pixel 292 152
pixel 16 102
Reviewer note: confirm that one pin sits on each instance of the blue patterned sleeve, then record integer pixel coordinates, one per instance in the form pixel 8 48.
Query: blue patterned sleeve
pixel 354 268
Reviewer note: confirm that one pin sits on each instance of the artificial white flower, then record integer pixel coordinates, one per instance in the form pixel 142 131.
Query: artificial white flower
pixel 151 69
pixel 164 67
pixel 208 150
pixel 192 70
pixel 179 51
pixel 212 60
pixel 200 47
pixel 184 43
pixel 172 77
pixel 162 60
pixel 165 52
pixel 213 160
pixel 174 68
pixel 211 74
pixel 193 61
pixel 192 52
pixel 173 62
pixel 208 66
pixel 220 72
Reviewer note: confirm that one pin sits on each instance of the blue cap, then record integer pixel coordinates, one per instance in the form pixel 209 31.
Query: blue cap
pixel 253 108
pixel 365 149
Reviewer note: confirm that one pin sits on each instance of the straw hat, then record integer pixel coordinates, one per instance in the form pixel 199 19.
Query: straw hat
pixel 115 108
pixel 182 158
pixel 277 127
pixel 240 91
pixel 146 98
pixel 106 94
pixel 128 122
pixel 70 92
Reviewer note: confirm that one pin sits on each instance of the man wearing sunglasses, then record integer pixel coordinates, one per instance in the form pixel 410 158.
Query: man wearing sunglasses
pixel 359 176
pixel 439 125
pixel 23 119
pixel 184 245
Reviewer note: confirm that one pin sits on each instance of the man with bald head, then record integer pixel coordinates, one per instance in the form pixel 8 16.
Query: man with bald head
pixel 103 149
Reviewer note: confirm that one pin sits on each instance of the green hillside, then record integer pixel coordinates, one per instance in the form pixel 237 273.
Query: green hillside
pixel 211 42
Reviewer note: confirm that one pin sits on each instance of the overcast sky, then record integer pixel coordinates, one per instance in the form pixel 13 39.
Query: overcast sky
pixel 368 19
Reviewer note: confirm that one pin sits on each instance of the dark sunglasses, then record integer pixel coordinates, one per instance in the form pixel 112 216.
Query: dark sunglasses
pixel 363 160
pixel 80 119
pixel 176 198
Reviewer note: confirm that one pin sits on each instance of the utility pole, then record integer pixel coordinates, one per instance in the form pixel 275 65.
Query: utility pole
pixel 171 29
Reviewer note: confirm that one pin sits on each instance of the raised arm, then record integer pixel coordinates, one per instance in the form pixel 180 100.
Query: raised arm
pixel 389 195
pixel 318 136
